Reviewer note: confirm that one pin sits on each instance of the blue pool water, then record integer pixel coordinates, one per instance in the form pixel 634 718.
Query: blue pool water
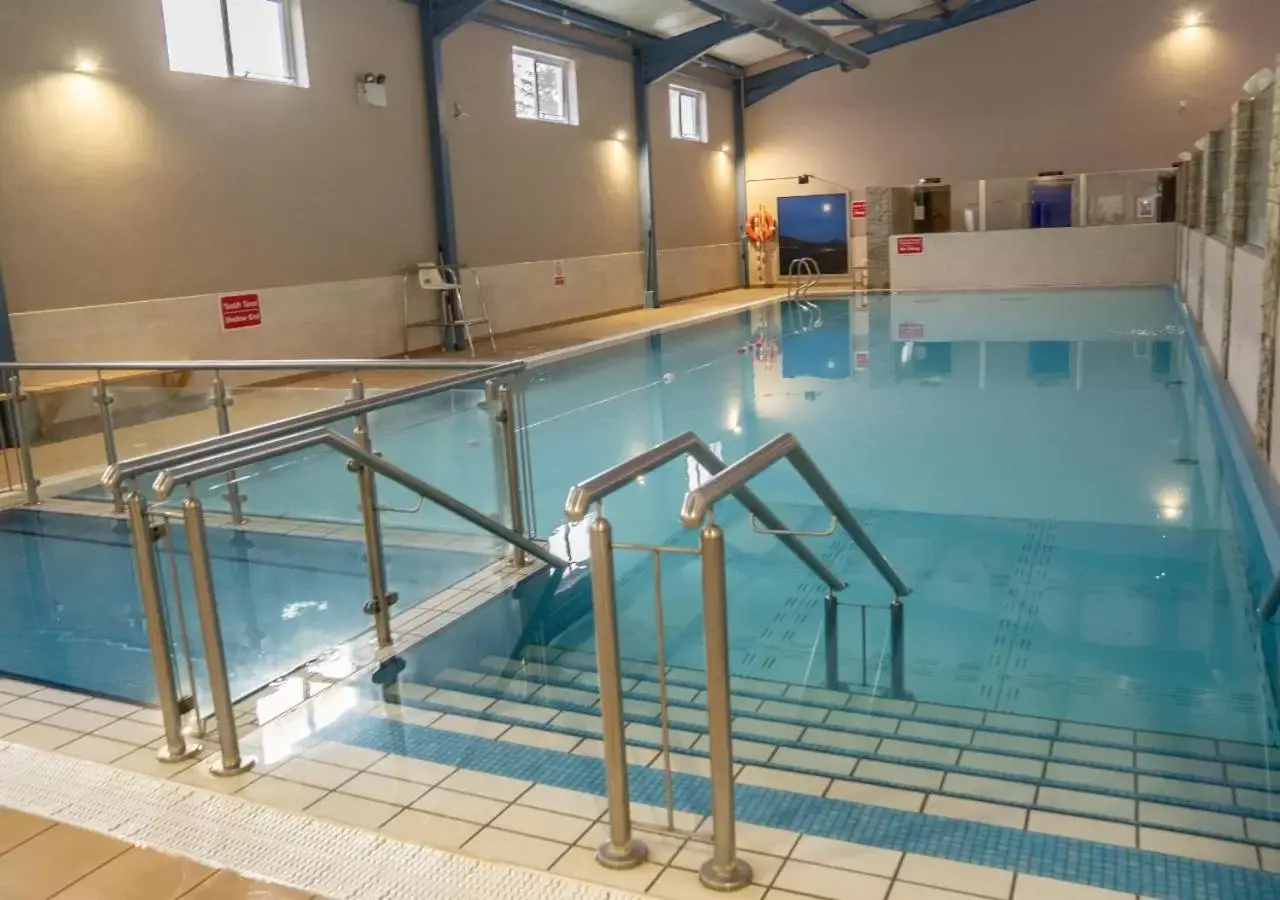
pixel 71 616
pixel 1043 468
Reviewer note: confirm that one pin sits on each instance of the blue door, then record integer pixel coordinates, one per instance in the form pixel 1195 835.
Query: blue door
pixel 1051 204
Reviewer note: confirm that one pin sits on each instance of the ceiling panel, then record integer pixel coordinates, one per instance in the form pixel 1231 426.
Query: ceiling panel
pixel 748 49
pixel 887 9
pixel 664 17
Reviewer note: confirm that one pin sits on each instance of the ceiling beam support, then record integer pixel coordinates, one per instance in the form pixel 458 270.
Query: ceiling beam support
pixel 774 80
pixel 662 56
pixel 447 15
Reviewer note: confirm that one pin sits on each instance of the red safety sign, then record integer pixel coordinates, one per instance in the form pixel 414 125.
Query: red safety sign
pixel 858 209
pixel 911 243
pixel 241 311
pixel 911 331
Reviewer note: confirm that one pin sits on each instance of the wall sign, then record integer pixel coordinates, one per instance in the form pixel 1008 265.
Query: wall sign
pixel 241 311
pixel 858 209
pixel 911 331
pixel 558 268
pixel 911 243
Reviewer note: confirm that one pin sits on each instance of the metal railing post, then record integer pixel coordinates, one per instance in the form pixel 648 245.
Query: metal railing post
pixel 831 641
pixel 511 461
pixel 229 761
pixel 104 400
pixel 724 871
pixel 621 851
pixel 221 409
pixel 897 648
pixel 380 601
pixel 30 484
pixel 176 746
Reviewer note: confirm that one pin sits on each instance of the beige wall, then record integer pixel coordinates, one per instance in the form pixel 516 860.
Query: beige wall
pixel 144 183
pixel 1077 85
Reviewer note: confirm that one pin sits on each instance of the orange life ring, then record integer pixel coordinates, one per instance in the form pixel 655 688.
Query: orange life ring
pixel 761 226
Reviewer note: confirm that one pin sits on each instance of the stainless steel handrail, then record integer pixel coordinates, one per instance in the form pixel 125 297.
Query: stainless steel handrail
pixel 730 480
pixel 583 495
pixel 210 466
pixel 1271 602
pixel 249 365
pixel 116 474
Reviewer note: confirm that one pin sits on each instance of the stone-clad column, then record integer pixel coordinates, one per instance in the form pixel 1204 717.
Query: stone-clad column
pixel 1270 283
pixel 1211 200
pixel 1235 198
pixel 1199 221
pixel 879 231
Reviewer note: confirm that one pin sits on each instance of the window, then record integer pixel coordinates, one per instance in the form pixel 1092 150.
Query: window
pixel 546 87
pixel 688 114
pixel 1259 170
pixel 258 39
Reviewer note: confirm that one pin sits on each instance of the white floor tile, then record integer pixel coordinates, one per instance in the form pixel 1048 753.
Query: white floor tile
pixel 782 708
pixel 636 756
pixel 281 794
pixel 1031 887
pixel 764 868
pixel 199 775
pixel 1184 790
pixel 411 715
pixel 1191 819
pixel 473 727
pixel 468 807
pixel 409 769
pixel 781 731
pixel 975 811
pixel 517 849
pixel 662 847
pixel 1200 768
pixel 944 873
pixel 761 839
pixel 1083 829
pixel 1270 859
pixel 316 774
pixel 1148 740
pixel 1081 801
pixel 131 732
pixel 547 740
pixel 681 884
pixel 541 823
pixel 1107 756
pixel 992 762
pixel 950 734
pixel 652 734
pixel 571 803
pixel 523 711
pixel 925 753
pixel 144 761
pixel 54 695
pixel 875 795
pixel 903 890
pixel 954 714
pixel 784 781
pixel 43 737
pixel 1260 830
pixel 853 743
pixel 103 750
pixel 909 776
pixel 1208 849
pixel 18 688
pixel 1120 781
pixel 580 863
pixel 844 855
pixel 384 789
pixel 482 784
pixel 1021 723
pixel 357 811
pixel 1257 799
pixel 995 789
pixel 343 755
pixel 29 709
pixel 8 725
pixel 644 816
pixel 1253 776
pixel 831 884
pixel 113 708
pixel 991 740
pixel 862 721
pixel 432 830
pixel 812 759
pixel 1089 734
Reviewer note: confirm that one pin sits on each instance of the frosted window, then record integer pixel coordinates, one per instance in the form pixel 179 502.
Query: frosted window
pixel 263 44
pixel 193 33
pixel 688 114
pixel 544 87
pixel 260 39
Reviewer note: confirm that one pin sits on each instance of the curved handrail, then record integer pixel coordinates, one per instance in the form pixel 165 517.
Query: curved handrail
pixel 584 494
pixel 222 463
pixel 251 365
pixel 1271 602
pixel 698 502
pixel 127 469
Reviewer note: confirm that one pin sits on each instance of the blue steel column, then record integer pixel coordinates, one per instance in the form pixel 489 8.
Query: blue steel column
pixel 644 163
pixel 6 328
pixel 740 175
pixel 441 176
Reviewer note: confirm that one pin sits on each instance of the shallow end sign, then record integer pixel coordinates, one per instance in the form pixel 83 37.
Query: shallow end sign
pixel 241 311
pixel 858 209
pixel 910 244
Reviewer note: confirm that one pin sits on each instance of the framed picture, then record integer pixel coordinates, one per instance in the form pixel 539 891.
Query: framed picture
pixel 815 226
pixel 1147 207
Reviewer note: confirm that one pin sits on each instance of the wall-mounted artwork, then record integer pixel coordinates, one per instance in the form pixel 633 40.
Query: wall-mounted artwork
pixel 816 226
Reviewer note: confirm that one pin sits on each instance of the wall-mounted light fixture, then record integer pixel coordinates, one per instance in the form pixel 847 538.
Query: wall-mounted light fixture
pixel 725 148
pixel 620 134
pixel 1192 18
pixel 87 65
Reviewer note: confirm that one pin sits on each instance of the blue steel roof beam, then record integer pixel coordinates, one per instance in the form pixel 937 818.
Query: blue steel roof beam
pixel 448 15
pixel 662 56
pixel 770 82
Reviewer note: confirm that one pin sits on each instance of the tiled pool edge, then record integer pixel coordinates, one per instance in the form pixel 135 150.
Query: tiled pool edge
pixel 1107 866
pixel 229 832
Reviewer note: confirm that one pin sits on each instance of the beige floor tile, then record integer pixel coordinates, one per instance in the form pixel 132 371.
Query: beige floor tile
pixel 281 794
pixel 429 829
pixel 481 810
pixel 1225 852
pixel 53 860
pixel 541 823
pixel 764 868
pixel 681 884
pixel 903 890
pixel 200 776
pixel 409 769
pixel 976 811
pixel 832 884
pixel 61 697
pixel 131 732
pixel 875 795
pixel 8 724
pixel 344 755
pixel 944 873
pixel 580 863
pixel 384 789
pixel 316 774
pixel 98 749
pixel 43 737
pixel 113 708
pixel 662 847
pixel 1031 887
pixel 143 760
pixel 761 839
pixel 139 874
pixel 29 709
pixel 16 827
pixel 572 803
pixel 845 855
pixel 79 720
pixel 356 811
pixel 518 849
pixel 784 781
pixel 482 784
pixel 1083 829
pixel 230 886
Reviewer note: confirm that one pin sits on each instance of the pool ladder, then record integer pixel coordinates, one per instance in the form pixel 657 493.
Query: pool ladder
pixel 725 870
pixel 802 275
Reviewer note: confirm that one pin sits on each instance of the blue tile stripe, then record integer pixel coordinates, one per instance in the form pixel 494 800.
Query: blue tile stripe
pixel 1131 871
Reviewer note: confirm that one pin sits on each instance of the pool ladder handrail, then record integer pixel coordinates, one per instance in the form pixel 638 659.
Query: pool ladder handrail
pixel 1271 601
pixel 724 871
pixel 798 290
